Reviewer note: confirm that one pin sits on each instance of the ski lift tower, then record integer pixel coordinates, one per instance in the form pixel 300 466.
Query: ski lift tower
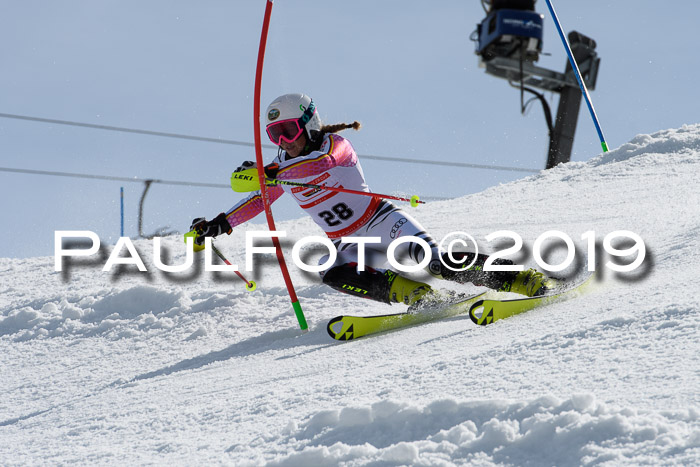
pixel 509 42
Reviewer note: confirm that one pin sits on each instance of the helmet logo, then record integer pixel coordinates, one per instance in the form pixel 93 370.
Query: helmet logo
pixel 273 114
pixel 308 113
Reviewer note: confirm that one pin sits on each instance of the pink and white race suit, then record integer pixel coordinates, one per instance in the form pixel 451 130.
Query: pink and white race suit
pixel 339 214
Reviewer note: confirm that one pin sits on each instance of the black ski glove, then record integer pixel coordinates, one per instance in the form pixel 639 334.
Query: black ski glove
pixel 212 228
pixel 245 166
pixel 271 169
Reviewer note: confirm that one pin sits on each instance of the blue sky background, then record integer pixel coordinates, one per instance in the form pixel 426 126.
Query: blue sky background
pixel 405 69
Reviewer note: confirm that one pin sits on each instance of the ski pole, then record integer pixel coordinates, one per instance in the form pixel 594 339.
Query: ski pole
pixel 414 200
pixel 249 285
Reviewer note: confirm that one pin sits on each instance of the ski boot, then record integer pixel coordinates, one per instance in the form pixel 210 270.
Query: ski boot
pixel 382 286
pixel 530 283
pixel 405 290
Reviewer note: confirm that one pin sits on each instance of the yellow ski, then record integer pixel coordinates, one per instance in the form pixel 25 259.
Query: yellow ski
pixel 345 328
pixel 487 311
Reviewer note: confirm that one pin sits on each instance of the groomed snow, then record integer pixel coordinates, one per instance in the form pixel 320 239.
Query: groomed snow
pixel 154 368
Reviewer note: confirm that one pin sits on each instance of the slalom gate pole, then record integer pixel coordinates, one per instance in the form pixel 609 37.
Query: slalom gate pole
pixel 249 285
pixel 264 194
pixel 414 200
pixel 577 72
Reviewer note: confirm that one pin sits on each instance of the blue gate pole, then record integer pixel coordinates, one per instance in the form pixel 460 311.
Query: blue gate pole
pixel 122 210
pixel 577 72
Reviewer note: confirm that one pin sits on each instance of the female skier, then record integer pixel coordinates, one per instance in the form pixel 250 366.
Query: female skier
pixel 313 153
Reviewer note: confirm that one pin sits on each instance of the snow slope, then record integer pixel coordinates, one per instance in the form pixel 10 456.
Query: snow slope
pixel 155 368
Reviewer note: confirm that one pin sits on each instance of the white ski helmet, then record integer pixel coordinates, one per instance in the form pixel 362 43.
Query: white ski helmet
pixel 297 107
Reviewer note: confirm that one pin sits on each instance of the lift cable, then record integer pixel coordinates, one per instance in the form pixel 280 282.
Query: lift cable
pixel 247 144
